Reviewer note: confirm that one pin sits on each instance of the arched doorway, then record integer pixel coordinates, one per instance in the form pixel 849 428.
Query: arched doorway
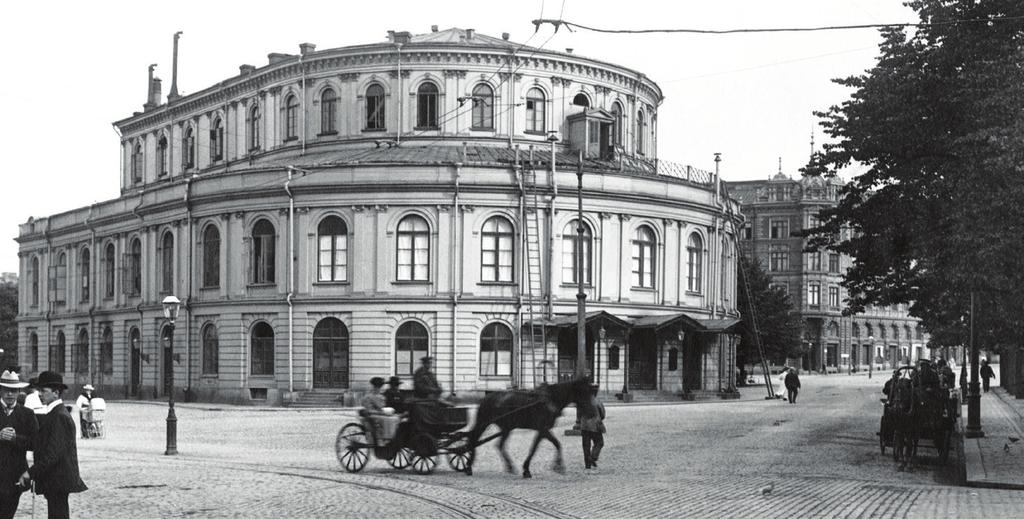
pixel 135 377
pixel 330 354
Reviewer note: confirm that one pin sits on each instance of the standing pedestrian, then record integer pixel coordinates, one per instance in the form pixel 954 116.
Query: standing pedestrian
pixel 55 456
pixel 18 427
pixel 592 430
pixel 792 382
pixel 83 403
pixel 986 373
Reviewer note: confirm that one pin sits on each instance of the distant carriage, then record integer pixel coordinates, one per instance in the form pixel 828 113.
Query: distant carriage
pixel 912 413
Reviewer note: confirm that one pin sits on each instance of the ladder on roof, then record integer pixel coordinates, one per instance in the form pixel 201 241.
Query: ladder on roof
pixel 533 287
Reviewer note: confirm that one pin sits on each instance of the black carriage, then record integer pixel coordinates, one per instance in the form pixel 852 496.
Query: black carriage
pixel 429 429
pixel 933 416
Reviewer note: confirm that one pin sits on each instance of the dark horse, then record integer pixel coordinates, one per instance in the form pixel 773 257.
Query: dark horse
pixel 528 409
pixel 903 409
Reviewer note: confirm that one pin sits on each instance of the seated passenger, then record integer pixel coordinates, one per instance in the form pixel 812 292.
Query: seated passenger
pixel 373 406
pixel 393 397
pixel 926 377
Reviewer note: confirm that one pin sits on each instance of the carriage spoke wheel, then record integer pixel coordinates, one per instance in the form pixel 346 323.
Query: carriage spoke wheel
pixel 424 464
pixel 458 453
pixel 424 447
pixel 402 458
pixel 352 448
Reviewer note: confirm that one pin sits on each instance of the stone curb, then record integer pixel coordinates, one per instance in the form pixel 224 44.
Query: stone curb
pixel 974 459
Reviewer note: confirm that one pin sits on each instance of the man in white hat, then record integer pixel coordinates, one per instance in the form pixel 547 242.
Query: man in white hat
pixel 18 427
pixel 83 404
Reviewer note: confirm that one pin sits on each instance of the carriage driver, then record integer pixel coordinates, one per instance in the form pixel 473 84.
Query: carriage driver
pixel 424 383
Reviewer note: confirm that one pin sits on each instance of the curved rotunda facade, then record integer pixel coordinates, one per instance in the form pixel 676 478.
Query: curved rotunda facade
pixel 337 214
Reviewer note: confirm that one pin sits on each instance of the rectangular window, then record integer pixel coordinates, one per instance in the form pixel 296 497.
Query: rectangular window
pixel 833 263
pixel 780 229
pixel 263 259
pixel 779 261
pixel 814 295
pixel 813 261
pixel 748 232
pixel 833 297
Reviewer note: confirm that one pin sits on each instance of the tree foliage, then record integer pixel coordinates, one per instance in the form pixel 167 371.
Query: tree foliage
pixel 779 324
pixel 8 325
pixel 937 215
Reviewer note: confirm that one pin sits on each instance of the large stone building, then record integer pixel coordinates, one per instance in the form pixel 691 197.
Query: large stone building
pixel 336 214
pixel 777 208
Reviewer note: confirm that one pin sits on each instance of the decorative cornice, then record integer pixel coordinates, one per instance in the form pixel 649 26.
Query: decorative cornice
pixel 351 76
pixel 455 73
pixel 393 74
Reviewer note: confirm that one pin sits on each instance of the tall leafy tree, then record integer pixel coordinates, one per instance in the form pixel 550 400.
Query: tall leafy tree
pixel 778 323
pixel 8 325
pixel 938 123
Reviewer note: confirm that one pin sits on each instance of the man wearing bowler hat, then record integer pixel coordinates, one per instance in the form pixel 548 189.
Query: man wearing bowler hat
pixel 424 383
pixel 393 396
pixel 55 466
pixel 18 427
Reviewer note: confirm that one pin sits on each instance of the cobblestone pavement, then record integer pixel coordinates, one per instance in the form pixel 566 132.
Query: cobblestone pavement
pixel 820 458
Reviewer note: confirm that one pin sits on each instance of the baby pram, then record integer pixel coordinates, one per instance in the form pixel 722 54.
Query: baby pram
pixel 92 418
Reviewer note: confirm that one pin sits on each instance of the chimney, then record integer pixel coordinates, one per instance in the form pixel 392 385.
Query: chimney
pixel 173 94
pixel 245 70
pixel 156 89
pixel 306 48
pixel 149 104
pixel 403 37
pixel 504 36
pixel 568 50
pixel 391 36
pixel 277 57
pixel 433 28
pixel 469 33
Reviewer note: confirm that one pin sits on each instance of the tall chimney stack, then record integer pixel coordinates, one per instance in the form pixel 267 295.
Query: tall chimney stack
pixel 173 94
pixel 149 104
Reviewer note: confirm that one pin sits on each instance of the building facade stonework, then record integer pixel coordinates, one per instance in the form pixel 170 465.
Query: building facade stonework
pixel 335 215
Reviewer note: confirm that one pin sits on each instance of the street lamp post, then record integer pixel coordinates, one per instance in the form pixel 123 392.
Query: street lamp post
pixel 581 296
pixel 871 358
pixel 171 306
pixel 973 389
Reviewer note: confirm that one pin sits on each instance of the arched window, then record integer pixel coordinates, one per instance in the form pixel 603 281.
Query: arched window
pixel 166 255
pixel 617 123
pixel 833 330
pixel 137 163
pixel 211 256
pixel 262 349
pixel 133 281
pixel 33 276
pixel 210 349
pixel 855 330
pixel 918 332
pixel 870 331
pixel 188 149
pixel 613 358
pixel 84 264
pixel 375 107
pixel 581 100
pixel 330 354
pixel 291 118
pixel 60 279
pixel 413 249
pixel 161 156
pixel 641 128
pixel 895 332
pixel 535 111
pixel 411 342
pixel 483 107
pixel 57 354
pixel 328 108
pixel 496 250
pixel 216 140
pixel 81 357
pixel 254 128
pixel 570 259
pixel 881 331
pixel 263 245
pixel 643 257
pixel 33 344
pixel 426 106
pixel 107 352
pixel 109 269
pixel 695 264
pixel 332 261
pixel 673 359
pixel 496 350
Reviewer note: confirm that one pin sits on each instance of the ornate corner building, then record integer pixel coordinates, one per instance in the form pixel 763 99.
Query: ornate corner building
pixel 777 208
pixel 335 215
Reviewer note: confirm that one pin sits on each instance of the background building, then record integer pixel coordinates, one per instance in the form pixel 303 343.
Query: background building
pixel 335 215
pixel 777 208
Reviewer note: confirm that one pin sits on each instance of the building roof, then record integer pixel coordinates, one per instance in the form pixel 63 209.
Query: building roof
pixel 660 321
pixel 720 325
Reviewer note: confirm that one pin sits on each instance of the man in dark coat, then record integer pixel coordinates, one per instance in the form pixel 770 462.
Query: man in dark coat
pixel 424 383
pixel 792 382
pixel 18 427
pixel 986 373
pixel 55 466
pixel 393 396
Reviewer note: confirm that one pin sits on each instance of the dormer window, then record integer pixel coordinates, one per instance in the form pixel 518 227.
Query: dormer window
pixel 426 106
pixel 591 132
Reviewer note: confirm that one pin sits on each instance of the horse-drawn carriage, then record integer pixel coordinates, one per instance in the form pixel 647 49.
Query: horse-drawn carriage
pixel 416 438
pixel 915 410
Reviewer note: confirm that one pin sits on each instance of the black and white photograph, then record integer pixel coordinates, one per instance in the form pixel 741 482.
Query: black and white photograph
pixel 542 259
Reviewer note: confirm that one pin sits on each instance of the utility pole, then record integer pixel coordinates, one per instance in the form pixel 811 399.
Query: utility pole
pixel 581 296
pixel 973 391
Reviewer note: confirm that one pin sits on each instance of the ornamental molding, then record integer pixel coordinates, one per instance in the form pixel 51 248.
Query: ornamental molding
pixel 449 73
pixel 239 215
pixel 393 74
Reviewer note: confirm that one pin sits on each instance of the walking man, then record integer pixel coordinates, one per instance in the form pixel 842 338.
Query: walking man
pixel 17 429
pixel 55 465
pixel 792 382
pixel 986 373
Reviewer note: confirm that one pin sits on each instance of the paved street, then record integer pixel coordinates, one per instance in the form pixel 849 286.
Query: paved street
pixel 706 460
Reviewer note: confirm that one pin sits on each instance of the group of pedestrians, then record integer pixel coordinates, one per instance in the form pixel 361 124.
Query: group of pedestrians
pixel 49 433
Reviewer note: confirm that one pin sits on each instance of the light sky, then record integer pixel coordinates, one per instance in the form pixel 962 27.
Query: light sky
pixel 71 68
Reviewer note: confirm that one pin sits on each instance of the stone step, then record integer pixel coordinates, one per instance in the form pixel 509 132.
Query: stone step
pixel 320 399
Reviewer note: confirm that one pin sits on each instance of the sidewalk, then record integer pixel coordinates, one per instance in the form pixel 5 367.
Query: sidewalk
pixel 996 461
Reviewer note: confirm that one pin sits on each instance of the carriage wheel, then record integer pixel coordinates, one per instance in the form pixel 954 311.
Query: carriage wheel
pixel 352 448
pixel 459 453
pixel 898 446
pixel 402 458
pixel 943 442
pixel 423 464
pixel 881 435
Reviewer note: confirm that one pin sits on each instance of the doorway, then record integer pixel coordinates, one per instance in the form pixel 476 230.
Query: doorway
pixel 330 355
pixel 692 362
pixel 567 350
pixel 643 360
